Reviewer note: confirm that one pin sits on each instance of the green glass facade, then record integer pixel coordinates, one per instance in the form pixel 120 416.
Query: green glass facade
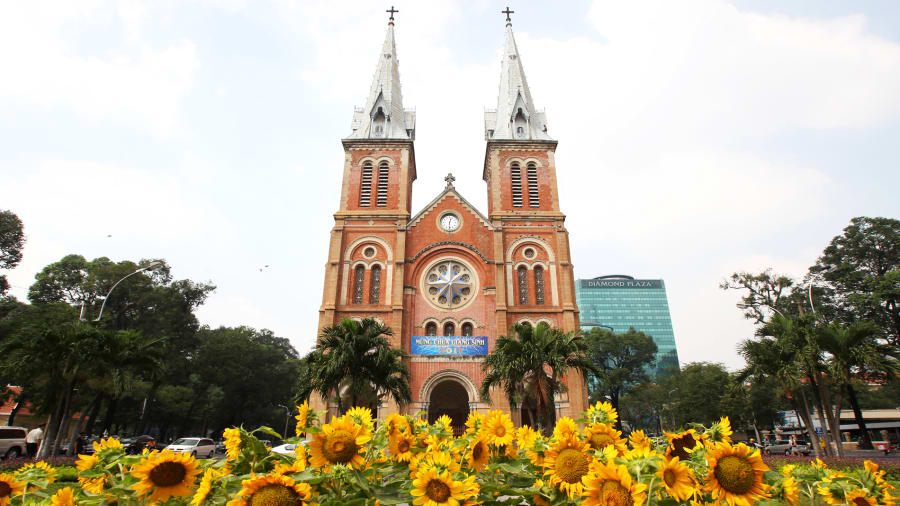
pixel 622 302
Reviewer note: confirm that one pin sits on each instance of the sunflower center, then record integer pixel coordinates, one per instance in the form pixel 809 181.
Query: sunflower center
pixel 478 451
pixel 600 440
pixel 669 477
pixel 403 446
pixel 860 501
pixel 5 489
pixel 571 465
pixel 340 447
pixel 735 474
pixel 437 491
pixel 679 445
pixel 167 474
pixel 500 431
pixel 612 493
pixel 275 495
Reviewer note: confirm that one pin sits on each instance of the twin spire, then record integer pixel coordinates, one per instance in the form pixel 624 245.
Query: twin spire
pixel 515 117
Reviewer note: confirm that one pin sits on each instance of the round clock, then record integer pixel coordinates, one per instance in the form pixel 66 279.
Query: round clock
pixel 449 222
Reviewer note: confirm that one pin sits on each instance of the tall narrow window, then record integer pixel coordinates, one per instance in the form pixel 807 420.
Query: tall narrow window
pixel 516 175
pixel 359 275
pixel 375 285
pixel 365 188
pixel 382 184
pixel 523 285
pixel 534 198
pixel 538 285
pixel 448 329
pixel 431 329
pixel 467 329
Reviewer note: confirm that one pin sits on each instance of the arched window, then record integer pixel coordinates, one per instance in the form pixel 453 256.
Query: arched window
pixel 365 187
pixel 523 285
pixel 516 176
pixel 449 330
pixel 534 198
pixel 383 173
pixel 375 285
pixel 431 329
pixel 538 285
pixel 378 123
pixel 467 329
pixel 359 275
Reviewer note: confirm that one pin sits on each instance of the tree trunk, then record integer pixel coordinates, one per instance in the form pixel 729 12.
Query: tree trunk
pixel 865 441
pixel 834 429
pixel 817 398
pixel 834 419
pixel 110 414
pixel 810 428
pixel 13 412
pixel 92 414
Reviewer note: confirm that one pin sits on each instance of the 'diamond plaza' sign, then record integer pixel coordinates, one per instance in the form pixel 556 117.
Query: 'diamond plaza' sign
pixel 436 345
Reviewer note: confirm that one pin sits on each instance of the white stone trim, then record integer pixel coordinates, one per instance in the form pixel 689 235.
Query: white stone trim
pixel 449 374
pixel 389 268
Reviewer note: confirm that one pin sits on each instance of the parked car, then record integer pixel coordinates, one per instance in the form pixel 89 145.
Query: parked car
pixel 285 449
pixel 12 442
pixel 197 446
pixel 137 445
pixel 784 446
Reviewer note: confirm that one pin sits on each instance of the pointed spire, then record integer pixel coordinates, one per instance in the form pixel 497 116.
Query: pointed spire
pixel 383 116
pixel 516 116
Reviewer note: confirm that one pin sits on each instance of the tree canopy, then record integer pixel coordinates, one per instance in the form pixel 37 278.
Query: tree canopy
pixel 621 361
pixel 12 240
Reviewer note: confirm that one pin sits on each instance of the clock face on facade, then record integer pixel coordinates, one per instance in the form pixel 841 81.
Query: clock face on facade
pixel 449 222
pixel 449 284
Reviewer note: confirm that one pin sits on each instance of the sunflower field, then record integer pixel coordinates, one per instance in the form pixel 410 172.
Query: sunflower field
pixel 404 460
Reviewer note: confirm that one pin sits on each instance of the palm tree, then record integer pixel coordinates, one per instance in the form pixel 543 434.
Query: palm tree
pixel 530 365
pixel 856 348
pixel 355 361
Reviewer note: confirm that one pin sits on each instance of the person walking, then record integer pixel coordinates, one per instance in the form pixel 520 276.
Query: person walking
pixel 33 440
pixel 793 442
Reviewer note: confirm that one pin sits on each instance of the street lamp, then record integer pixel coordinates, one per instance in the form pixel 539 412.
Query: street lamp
pixel 152 266
pixel 287 419
pixel 748 306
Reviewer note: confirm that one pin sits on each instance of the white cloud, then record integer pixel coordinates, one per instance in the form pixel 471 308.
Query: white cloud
pixel 132 82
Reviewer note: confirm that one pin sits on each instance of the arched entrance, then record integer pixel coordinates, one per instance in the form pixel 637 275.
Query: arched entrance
pixel 449 397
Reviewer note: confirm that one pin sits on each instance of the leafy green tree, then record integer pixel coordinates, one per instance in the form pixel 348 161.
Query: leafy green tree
pixel 530 363
pixel 863 267
pixel 695 393
pixel 642 407
pixel 355 362
pixel 12 240
pixel 764 293
pixel 621 362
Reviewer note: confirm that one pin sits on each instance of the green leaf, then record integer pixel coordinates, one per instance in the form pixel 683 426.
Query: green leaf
pixel 268 430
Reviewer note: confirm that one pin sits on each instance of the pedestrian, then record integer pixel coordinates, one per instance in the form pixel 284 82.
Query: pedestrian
pixel 33 440
pixel 80 443
pixel 793 443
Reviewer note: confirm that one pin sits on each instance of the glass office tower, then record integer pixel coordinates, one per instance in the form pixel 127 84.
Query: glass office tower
pixel 621 302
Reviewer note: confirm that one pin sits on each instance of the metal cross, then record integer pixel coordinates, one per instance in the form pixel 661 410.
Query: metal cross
pixel 507 12
pixel 449 179
pixel 392 10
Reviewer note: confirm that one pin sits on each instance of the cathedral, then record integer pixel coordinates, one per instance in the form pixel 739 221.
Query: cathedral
pixel 449 279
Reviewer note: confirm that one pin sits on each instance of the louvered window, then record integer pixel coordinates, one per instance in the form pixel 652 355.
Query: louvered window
pixel 375 285
pixel 359 275
pixel 448 329
pixel 365 189
pixel 538 285
pixel 516 173
pixel 534 199
pixel 382 184
pixel 431 329
pixel 523 285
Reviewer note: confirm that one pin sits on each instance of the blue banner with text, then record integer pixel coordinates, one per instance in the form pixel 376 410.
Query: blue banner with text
pixel 437 345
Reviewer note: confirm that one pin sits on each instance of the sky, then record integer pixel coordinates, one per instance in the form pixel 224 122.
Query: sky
pixel 696 138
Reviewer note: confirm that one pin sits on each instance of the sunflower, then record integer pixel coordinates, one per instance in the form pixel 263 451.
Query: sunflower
pixel 302 413
pixel 564 428
pixel 46 469
pixel 479 455
pixel 361 416
pixel 860 497
pixel 272 490
pixel 232 443
pixel 602 412
pixel 86 462
pixel 525 437
pixel 473 422
pixel 298 466
pixel 340 442
pixel 9 487
pixel 396 423
pixel 677 479
pixel 431 487
pixel 610 484
pixel 401 446
pixel 720 432
pixel 601 435
pixel 735 474
pixel 790 492
pixel 442 461
pixel 205 486
pixel 566 463
pixel 872 469
pixel 93 485
pixel 63 497
pixel 166 474
pixel 498 429
pixel 109 443
pixel 682 444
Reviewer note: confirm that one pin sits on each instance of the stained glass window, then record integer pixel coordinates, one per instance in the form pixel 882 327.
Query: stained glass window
pixel 539 285
pixel 523 285
pixel 448 329
pixel 375 285
pixel 467 329
pixel 431 329
pixel 359 275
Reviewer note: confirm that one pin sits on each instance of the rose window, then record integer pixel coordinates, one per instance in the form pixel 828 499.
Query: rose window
pixel 449 284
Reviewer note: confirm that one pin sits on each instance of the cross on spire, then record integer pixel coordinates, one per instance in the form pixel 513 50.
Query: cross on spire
pixel 508 12
pixel 392 10
pixel 449 179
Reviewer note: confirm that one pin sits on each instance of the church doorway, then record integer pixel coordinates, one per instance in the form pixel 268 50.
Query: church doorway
pixel 449 398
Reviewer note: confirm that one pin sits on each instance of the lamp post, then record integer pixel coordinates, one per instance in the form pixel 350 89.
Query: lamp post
pixel 152 266
pixel 287 419
pixel 747 306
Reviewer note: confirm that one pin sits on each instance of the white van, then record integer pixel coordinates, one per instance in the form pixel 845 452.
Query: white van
pixel 199 447
pixel 12 442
